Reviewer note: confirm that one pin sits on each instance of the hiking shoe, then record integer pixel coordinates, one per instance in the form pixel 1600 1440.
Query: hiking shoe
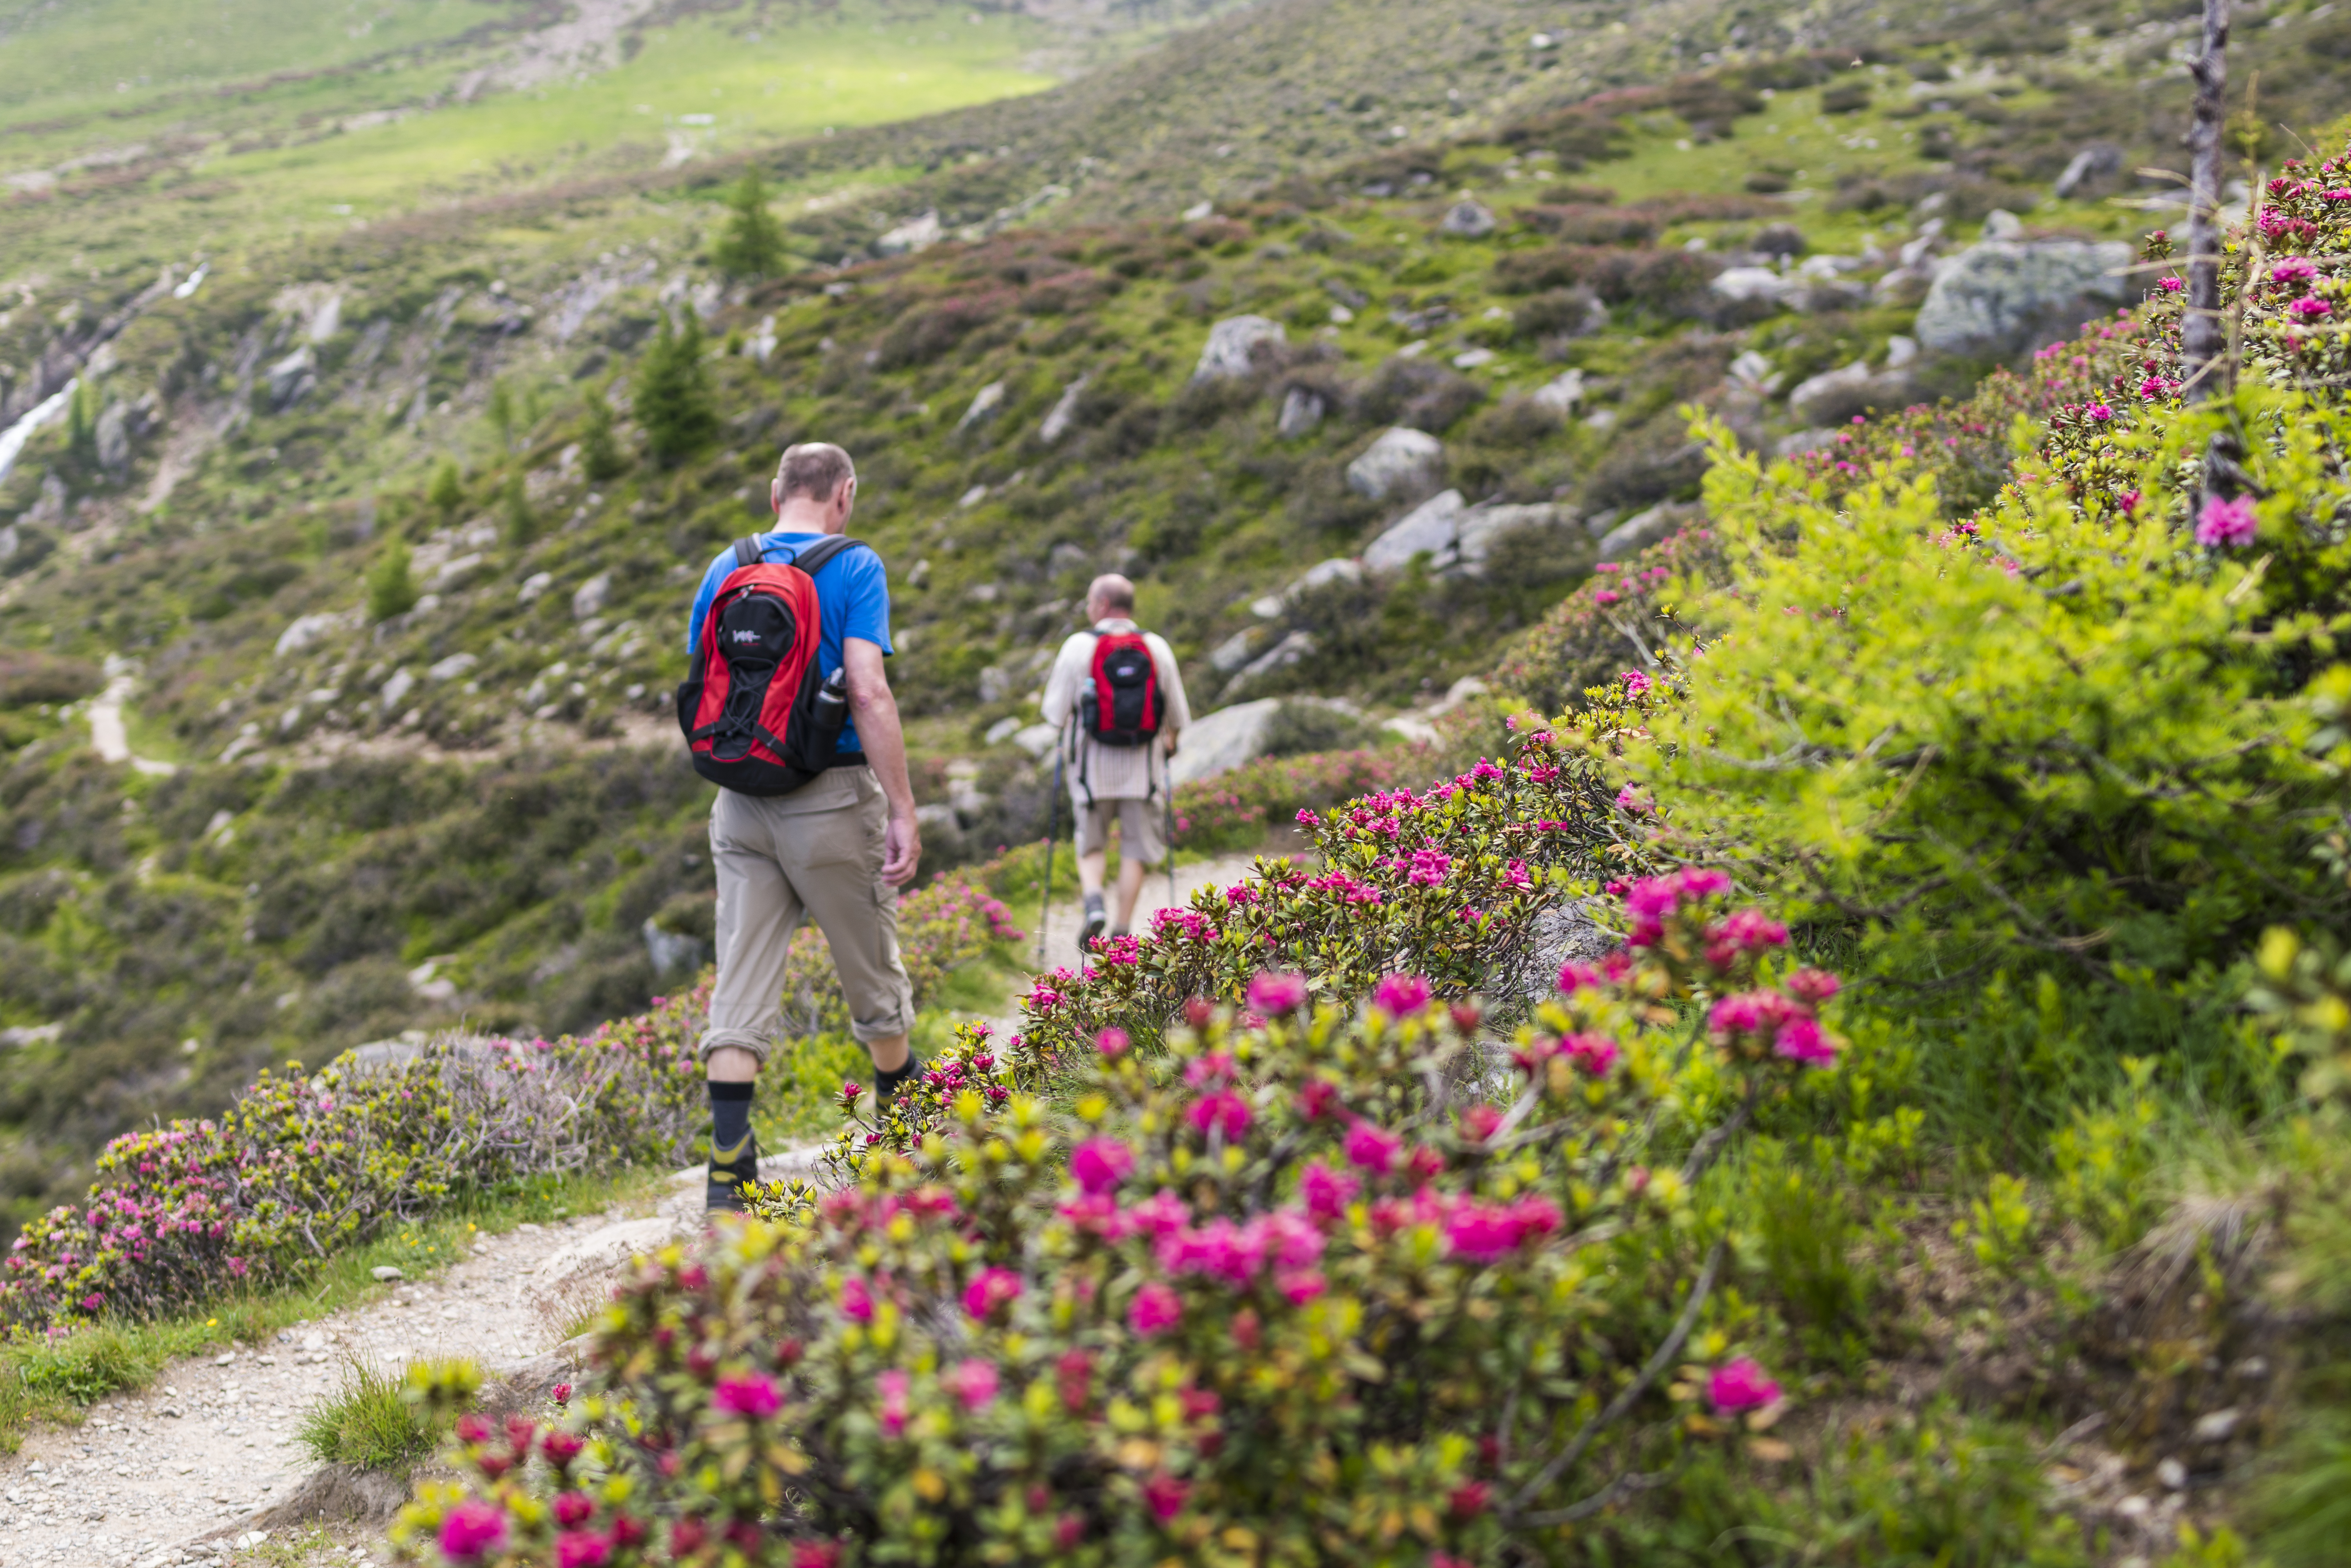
pixel 1097 922
pixel 729 1169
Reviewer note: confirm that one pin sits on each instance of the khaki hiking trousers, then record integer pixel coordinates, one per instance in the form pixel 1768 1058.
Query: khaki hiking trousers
pixel 817 852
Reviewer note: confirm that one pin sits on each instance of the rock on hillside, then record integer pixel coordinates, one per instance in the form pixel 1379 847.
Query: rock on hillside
pixel 1400 461
pixel 1994 299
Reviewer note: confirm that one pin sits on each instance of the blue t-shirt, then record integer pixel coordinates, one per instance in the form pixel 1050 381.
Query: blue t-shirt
pixel 852 590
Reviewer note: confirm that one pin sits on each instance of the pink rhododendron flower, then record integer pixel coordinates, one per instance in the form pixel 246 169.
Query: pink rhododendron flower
pixel 1213 1070
pixel 1327 1192
pixel 1635 800
pixel 1597 1052
pixel 1159 1214
pixel 1400 994
pixel 893 1385
pixel 990 1290
pixel 1375 1149
pixel 1316 1098
pixel 1743 931
pixel 471 1529
pixel 2170 285
pixel 1100 1164
pixel 1740 1386
pixel 2292 270
pixel 1273 993
pixel 1747 1012
pixel 1166 1495
pixel 1637 685
pixel 1801 1038
pixel 1300 1286
pixel 1575 977
pixel 1814 985
pixel 1156 1308
pixel 754 1394
pixel 973 1382
pixel 1483 1232
pixel 582 1549
pixel 2309 308
pixel 1478 1122
pixel 816 1554
pixel 2227 523
pixel 574 1508
pixel 2098 413
pixel 1223 1112
pixel 1112 1041
pixel 856 1301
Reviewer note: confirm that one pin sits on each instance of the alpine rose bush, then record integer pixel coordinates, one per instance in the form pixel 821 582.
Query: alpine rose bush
pixel 300 1166
pixel 1357 1313
pixel 1444 882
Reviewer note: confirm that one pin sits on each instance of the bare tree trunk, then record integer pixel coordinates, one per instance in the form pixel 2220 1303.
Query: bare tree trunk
pixel 2202 332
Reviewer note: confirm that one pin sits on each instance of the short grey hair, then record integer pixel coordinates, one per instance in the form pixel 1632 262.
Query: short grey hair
pixel 814 469
pixel 1112 593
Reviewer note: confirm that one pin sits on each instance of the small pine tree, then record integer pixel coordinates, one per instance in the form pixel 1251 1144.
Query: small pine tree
pixel 391 590
pixel 447 491
pixel 81 421
pixel 673 402
pixel 502 415
pixel 752 244
pixel 522 527
pixel 600 450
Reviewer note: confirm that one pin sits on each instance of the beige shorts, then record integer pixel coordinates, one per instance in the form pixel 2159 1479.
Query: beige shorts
pixel 1140 833
pixel 817 853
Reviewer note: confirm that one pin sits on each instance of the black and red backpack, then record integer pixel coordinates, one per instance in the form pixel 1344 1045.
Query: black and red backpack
pixel 1125 707
pixel 758 715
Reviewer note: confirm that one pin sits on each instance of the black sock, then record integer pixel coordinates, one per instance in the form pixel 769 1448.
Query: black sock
pixel 887 1082
pixel 730 1123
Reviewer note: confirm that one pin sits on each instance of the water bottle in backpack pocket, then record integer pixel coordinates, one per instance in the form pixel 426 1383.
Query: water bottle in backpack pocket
pixel 760 716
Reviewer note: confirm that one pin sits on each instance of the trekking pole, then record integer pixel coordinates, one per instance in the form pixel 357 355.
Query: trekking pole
pixel 1052 832
pixel 1171 845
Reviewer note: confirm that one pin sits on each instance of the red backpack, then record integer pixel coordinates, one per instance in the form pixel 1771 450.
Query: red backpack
pixel 758 717
pixel 1125 707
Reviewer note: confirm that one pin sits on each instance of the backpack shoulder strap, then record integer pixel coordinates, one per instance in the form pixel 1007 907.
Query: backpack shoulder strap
pixel 747 551
pixel 814 556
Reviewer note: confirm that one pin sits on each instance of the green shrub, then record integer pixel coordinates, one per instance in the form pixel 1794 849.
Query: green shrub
pixel 752 243
pixel 391 589
pixel 375 1421
pixel 446 492
pixel 1292 1286
pixel 2062 739
pixel 601 456
pixel 673 398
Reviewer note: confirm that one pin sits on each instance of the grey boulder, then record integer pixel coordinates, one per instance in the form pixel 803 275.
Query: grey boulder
pixel 1428 528
pixel 1468 219
pixel 1232 346
pixel 1996 298
pixel 1459 539
pixel 1642 529
pixel 1401 459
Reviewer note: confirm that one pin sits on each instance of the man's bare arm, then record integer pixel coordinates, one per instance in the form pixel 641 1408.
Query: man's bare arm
pixel 875 713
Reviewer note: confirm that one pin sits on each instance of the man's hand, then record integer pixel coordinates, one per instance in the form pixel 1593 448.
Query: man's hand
pixel 902 850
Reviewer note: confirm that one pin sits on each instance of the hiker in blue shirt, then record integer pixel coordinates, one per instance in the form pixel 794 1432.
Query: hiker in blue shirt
pixel 836 849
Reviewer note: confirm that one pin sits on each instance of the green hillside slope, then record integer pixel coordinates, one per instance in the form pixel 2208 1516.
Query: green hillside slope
pixel 468 809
